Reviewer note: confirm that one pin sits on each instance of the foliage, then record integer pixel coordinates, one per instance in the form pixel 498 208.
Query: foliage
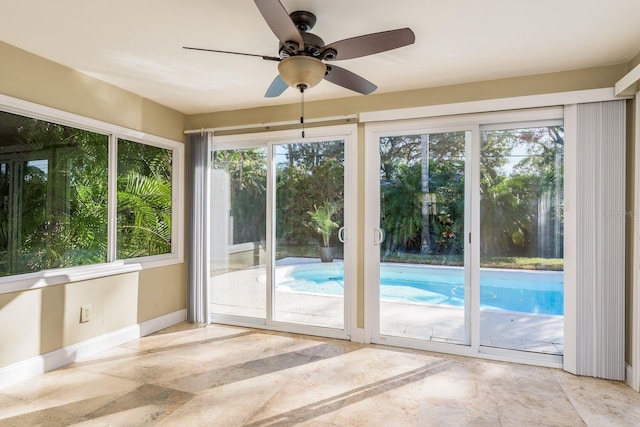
pixel 307 175
pixel 422 194
pixel 322 220
pixel 144 216
pixel 515 194
pixel 407 182
pixel 144 200
pixel 247 172
pixel 402 210
pixel 516 263
pixel 55 210
pixel 55 192
pixel 55 187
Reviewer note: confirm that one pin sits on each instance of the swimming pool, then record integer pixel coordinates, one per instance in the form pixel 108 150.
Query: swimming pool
pixel 523 291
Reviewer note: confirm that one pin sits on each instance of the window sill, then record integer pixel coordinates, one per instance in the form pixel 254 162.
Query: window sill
pixel 61 276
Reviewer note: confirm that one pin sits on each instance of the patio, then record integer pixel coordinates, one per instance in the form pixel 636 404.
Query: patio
pixel 242 293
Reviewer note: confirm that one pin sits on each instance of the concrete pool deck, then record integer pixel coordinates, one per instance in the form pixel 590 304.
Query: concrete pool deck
pixel 242 293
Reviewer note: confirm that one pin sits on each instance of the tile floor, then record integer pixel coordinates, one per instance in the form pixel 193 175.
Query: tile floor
pixel 229 376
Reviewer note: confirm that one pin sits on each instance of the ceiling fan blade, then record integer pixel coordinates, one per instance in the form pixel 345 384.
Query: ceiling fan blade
pixel 277 87
pixel 280 23
pixel 268 58
pixel 349 80
pixel 356 47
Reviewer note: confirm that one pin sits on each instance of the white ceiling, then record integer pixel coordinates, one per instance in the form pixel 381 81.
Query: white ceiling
pixel 137 44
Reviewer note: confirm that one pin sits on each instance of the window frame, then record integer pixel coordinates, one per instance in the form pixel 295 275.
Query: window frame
pixel 113 266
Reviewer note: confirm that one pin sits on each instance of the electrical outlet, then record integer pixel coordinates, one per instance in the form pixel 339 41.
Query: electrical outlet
pixel 85 313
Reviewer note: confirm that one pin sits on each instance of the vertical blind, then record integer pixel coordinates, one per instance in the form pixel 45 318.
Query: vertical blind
pixel 600 245
pixel 198 226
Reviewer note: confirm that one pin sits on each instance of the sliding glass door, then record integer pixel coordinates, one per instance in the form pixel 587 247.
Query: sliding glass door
pixel 423 286
pixel 309 226
pixel 464 234
pixel 281 232
pixel 521 238
pixel 238 224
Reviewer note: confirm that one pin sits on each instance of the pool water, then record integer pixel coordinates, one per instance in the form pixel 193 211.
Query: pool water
pixel 539 292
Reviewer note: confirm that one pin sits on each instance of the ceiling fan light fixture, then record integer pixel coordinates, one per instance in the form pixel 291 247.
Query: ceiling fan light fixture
pixel 302 71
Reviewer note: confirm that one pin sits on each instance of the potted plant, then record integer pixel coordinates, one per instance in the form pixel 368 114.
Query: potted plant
pixel 323 223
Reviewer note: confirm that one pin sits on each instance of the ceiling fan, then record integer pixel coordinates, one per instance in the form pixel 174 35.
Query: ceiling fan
pixel 302 55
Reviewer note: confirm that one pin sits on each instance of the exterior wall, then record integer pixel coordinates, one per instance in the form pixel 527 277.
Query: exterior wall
pixel 39 321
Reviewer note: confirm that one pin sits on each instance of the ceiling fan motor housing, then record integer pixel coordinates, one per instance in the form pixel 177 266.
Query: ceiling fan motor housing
pixel 303 21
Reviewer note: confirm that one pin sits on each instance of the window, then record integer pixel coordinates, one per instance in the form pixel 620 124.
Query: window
pixel 53 195
pixel 65 201
pixel 144 200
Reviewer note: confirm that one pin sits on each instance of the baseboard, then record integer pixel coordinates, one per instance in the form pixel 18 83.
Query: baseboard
pixel 38 365
pixel 162 322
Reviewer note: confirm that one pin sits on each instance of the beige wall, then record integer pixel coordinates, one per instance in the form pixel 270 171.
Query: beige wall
pixel 517 86
pixel 634 62
pixel 161 291
pixel 35 322
pixel 39 321
pixel 32 78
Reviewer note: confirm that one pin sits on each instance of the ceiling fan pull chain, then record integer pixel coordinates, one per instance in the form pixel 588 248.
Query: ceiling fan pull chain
pixel 302 108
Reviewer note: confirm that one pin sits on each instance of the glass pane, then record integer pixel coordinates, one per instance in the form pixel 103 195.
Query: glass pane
pixel 53 195
pixel 144 200
pixel 521 241
pixel 238 232
pixel 309 206
pixel 422 280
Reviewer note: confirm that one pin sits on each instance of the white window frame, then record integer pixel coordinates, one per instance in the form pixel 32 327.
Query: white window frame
pixel 43 278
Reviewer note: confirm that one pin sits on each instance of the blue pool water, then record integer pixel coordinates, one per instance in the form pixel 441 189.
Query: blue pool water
pixel 539 292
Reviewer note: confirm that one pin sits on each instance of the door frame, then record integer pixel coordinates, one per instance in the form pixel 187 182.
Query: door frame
pixel 633 370
pixel 348 133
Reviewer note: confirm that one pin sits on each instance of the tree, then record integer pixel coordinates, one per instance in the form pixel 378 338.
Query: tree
pixel 307 175
pixel 144 200
pixel 422 192
pixel 520 169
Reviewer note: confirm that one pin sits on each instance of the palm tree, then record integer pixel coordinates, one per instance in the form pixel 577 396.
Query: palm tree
pixel 144 216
